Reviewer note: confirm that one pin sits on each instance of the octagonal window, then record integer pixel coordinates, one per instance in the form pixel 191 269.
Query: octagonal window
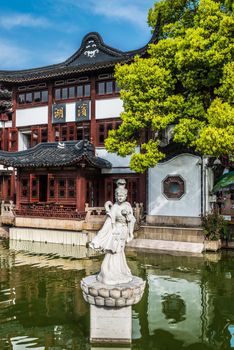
pixel 173 187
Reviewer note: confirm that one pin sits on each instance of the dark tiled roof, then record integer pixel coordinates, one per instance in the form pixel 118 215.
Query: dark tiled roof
pixel 55 154
pixel 93 54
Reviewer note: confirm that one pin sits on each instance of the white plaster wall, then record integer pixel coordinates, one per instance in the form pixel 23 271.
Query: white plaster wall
pixel 108 108
pixel 187 166
pixel 119 164
pixel 32 116
pixel 70 112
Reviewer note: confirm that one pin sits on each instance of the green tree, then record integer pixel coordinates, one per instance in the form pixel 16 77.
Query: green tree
pixel 186 80
pixel 5 100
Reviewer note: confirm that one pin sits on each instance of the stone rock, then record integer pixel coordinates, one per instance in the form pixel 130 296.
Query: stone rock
pixel 115 293
pixel 93 292
pixel 130 301
pixel 103 292
pixel 110 302
pixel 99 301
pixel 120 302
pixel 91 299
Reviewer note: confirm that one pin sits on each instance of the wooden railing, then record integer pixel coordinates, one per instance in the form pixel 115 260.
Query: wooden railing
pixel 8 211
pixel 50 211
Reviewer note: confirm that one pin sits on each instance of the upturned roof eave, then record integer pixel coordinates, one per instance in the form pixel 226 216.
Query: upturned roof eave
pixel 67 71
pixel 40 156
pixel 66 68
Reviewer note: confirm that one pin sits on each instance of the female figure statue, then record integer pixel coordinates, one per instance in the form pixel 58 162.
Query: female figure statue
pixel 116 231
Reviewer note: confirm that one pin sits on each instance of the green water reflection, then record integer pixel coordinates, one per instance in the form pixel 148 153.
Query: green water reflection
pixel 188 301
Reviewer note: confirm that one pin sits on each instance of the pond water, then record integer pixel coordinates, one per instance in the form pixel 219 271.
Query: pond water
pixel 188 302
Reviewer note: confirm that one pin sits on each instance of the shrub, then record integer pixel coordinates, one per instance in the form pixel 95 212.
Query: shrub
pixel 214 226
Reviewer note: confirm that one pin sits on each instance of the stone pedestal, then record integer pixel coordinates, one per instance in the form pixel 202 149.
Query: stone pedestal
pixel 110 325
pixel 111 308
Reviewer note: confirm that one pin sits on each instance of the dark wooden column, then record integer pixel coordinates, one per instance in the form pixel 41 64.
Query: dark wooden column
pixel 50 103
pixel 18 193
pixel 13 185
pixel 14 102
pixel 80 191
pixel 4 187
pixel 93 133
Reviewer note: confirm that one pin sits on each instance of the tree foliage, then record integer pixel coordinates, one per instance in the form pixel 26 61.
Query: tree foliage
pixel 5 101
pixel 187 80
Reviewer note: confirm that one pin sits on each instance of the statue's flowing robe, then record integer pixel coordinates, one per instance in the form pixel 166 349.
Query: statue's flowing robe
pixel 116 231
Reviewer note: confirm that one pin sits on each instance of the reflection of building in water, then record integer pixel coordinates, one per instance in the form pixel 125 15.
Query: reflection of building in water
pixel 174 304
pixel 40 306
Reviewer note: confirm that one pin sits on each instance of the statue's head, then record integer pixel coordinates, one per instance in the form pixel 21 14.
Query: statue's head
pixel 121 192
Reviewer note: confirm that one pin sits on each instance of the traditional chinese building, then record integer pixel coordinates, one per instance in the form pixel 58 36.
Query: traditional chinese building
pixel 55 109
pixel 54 140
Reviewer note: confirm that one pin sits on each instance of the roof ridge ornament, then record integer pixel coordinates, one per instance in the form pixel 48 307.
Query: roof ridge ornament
pixel 61 145
pixel 91 49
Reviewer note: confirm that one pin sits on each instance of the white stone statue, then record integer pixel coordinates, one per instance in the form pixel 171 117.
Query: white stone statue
pixel 116 231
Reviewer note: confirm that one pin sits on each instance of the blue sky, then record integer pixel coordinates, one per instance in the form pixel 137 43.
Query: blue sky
pixel 35 33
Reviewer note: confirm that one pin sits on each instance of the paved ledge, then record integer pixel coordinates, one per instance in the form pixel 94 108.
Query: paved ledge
pixel 169 233
pixel 167 245
pixel 50 236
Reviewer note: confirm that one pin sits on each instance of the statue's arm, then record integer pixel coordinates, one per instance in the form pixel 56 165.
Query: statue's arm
pixel 131 222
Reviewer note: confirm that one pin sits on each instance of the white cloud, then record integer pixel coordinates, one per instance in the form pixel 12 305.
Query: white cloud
pixel 133 11
pixel 12 56
pixel 9 21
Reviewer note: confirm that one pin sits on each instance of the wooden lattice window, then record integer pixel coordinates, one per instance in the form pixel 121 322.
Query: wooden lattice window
pixel 62 188
pixel 83 131
pixel 71 188
pixel 34 188
pixel 51 188
pixel 173 187
pixel 72 92
pixel 103 128
pixel 44 134
pixel 24 185
pixel 35 97
pixel 38 135
pixel 108 87
pixel 12 140
pixel 63 131
pixel 71 134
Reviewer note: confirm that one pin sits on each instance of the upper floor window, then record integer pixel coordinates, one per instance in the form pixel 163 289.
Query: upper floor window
pixel 71 131
pixel 33 97
pixel 71 92
pixel 103 128
pixel 108 87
